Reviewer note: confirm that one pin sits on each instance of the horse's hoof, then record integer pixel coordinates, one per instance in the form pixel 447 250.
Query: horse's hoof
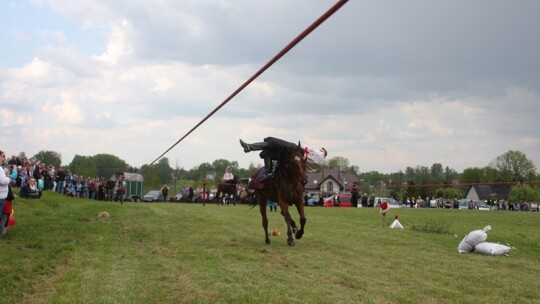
pixel 298 235
pixel 291 243
pixel 267 242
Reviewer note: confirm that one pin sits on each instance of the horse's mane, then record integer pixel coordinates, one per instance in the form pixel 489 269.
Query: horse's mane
pixel 291 168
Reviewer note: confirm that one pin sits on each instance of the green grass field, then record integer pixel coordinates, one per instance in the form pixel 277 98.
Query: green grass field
pixel 59 251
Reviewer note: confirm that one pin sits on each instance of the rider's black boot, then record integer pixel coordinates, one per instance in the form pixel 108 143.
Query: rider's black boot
pixel 254 146
pixel 268 170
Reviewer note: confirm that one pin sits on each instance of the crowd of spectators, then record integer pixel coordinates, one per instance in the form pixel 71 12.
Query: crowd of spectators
pixel 34 177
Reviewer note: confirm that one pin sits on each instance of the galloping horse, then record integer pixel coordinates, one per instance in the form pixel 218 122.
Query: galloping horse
pixel 227 188
pixel 287 188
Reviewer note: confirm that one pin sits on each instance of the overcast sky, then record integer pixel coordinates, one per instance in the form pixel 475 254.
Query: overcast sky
pixel 386 84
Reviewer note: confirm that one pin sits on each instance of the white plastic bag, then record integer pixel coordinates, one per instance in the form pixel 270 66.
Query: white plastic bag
pixel 491 248
pixel 472 239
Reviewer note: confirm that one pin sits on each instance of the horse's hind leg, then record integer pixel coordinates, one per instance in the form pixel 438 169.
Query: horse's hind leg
pixel 288 219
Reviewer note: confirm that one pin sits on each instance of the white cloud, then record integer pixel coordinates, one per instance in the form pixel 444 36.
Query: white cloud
pixel 118 46
pixel 420 89
pixel 66 112
pixel 10 119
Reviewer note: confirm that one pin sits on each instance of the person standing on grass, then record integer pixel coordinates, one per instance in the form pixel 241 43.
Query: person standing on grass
pixel 4 189
pixel 120 189
pixel 371 200
pixel 110 189
pixel 164 193
pixel 354 196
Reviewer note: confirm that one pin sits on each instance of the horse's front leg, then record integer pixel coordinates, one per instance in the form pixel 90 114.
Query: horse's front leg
pixel 303 220
pixel 293 225
pixel 262 207
pixel 288 219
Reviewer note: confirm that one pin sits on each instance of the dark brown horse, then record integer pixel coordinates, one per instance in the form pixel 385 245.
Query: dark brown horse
pixel 287 188
pixel 228 189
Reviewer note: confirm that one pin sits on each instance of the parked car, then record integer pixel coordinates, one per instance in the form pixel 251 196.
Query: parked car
pixel 473 204
pixel 153 196
pixel 392 203
pixel 441 203
pixel 340 200
pixel 481 205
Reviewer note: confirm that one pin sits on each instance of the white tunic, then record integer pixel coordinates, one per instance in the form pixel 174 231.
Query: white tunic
pixel 314 158
pixel 228 176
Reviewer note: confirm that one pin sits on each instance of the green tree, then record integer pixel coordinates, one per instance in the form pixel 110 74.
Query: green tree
pixel 83 165
pixel 410 174
pixel 411 190
pixel 450 175
pixel 437 173
pixel 514 166
pixel 220 165
pixel 49 158
pixel 338 162
pixel 353 169
pixel 449 192
pixel 490 174
pixel 100 165
pixel 372 179
pixel 423 177
pixel 108 164
pixel 524 193
pixel 202 170
pixel 151 178
pixel 163 170
pixel 472 175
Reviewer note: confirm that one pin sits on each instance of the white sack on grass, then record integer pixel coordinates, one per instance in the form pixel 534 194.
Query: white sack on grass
pixel 472 239
pixel 491 248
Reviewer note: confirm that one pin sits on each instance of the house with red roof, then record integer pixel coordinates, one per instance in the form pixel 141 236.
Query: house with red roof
pixel 329 182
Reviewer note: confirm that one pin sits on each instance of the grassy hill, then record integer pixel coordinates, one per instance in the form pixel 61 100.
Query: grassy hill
pixel 59 251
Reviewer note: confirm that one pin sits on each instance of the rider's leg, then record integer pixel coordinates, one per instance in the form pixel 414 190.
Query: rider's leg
pixel 254 146
pixel 268 169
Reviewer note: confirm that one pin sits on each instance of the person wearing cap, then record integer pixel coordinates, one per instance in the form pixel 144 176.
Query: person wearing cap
pixel 274 149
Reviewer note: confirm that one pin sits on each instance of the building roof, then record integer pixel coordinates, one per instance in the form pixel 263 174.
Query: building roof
pixel 485 192
pixel 315 179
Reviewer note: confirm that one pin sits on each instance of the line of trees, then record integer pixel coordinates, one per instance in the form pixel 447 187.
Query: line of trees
pixel 512 166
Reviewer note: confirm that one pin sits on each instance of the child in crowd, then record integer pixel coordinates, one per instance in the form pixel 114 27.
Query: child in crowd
pixel 30 190
pixel 71 191
pixel 14 174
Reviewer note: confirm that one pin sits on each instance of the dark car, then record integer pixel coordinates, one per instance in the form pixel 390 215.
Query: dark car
pixel 153 196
